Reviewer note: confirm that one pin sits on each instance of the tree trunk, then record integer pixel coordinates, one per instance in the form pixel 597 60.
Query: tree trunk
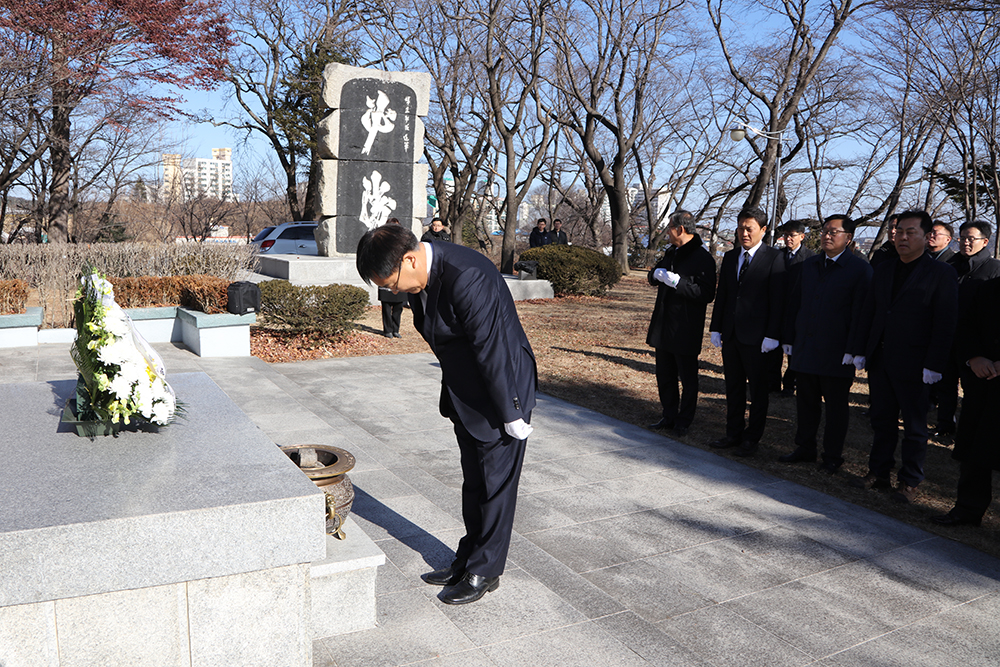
pixel 60 156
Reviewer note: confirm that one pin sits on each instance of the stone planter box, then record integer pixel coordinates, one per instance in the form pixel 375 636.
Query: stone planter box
pixel 220 335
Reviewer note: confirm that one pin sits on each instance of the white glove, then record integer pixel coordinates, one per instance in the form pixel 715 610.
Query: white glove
pixel 668 278
pixel 518 429
pixel 716 338
pixel 859 363
pixel 661 275
pixel 787 349
pixel 930 377
pixel 768 345
pixel 847 360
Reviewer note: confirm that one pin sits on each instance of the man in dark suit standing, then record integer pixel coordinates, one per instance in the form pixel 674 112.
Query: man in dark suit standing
pixel 904 339
pixel 746 324
pixel 826 302
pixel 685 281
pixel 886 251
pixel 557 235
pixel 465 312
pixel 794 233
pixel 977 446
pixel 973 265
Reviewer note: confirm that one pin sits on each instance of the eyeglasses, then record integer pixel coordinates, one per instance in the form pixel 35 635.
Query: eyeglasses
pixel 833 232
pixel 942 235
pixel 971 239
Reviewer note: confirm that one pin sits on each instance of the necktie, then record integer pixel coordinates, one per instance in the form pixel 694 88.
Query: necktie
pixel 743 267
pixel 829 263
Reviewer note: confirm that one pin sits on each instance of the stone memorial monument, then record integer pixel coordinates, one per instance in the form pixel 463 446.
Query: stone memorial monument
pixel 369 144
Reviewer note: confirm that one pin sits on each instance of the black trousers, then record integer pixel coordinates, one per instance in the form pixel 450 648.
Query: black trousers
pixel 947 396
pixel 975 489
pixel 775 380
pixel 811 393
pixel 678 406
pixel 391 313
pixel 744 366
pixel 892 399
pixel 491 471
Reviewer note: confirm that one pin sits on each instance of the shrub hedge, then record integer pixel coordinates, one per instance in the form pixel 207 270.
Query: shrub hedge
pixel 13 295
pixel 574 270
pixel 205 293
pixel 324 310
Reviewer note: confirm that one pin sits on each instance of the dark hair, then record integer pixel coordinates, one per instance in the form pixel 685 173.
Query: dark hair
pixel 948 228
pixel 435 218
pixel 683 219
pixel 794 227
pixel 926 223
pixel 756 213
pixel 845 222
pixel 541 220
pixel 556 220
pixel 392 221
pixel 984 227
pixel 381 250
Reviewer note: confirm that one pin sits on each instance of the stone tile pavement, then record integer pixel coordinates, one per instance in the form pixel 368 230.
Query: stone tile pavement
pixel 629 548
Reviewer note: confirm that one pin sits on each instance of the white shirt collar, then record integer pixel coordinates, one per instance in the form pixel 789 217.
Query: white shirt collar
pixel 753 250
pixel 429 255
pixel 837 257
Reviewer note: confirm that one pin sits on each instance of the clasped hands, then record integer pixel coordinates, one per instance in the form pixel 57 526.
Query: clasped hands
pixel 984 368
pixel 668 278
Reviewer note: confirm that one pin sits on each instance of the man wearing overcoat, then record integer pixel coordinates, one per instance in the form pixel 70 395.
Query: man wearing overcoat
pixel 826 302
pixel 685 282
pixel 904 339
pixel 463 309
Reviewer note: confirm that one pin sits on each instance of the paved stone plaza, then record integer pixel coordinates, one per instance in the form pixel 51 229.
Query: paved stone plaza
pixel 629 548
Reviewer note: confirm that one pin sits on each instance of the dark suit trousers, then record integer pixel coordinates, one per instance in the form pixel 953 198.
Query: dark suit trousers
pixel 744 365
pixel 491 471
pixel 891 399
pixel 975 488
pixel 391 313
pixel 812 391
pixel 947 395
pixel 678 408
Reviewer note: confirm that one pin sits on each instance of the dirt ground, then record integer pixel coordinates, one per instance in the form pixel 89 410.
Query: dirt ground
pixel 591 352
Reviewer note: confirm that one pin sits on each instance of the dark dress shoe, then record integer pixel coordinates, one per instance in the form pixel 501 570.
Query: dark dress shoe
pixel 470 588
pixel 798 456
pixel 396 335
pixel 828 468
pixel 446 576
pixel 944 429
pixel 724 443
pixel 954 518
pixel 746 449
pixel 680 431
pixel 662 424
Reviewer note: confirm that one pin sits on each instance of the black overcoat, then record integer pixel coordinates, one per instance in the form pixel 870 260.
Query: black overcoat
pixel 678 321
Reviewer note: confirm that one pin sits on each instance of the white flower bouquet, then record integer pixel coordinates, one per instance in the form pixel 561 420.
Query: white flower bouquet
pixel 121 376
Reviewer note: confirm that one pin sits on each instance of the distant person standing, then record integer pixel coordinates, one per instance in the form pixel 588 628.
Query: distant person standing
pixel 825 305
pixel 793 232
pixel 685 282
pixel 904 339
pixel 887 250
pixel 746 324
pixel 437 232
pixel 539 235
pixel 557 235
pixel 392 305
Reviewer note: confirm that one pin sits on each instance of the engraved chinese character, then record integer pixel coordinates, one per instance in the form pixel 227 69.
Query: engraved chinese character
pixel 375 205
pixel 378 118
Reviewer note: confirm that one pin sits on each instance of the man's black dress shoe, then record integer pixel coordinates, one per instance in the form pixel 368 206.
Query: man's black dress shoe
pixel 446 576
pixel 470 588
pixel 746 449
pixel 724 443
pixel 954 519
pixel 662 424
pixel 944 429
pixel 798 456
pixel 828 468
pixel 680 431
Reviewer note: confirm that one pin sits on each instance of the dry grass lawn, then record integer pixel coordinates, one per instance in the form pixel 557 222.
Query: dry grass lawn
pixel 592 352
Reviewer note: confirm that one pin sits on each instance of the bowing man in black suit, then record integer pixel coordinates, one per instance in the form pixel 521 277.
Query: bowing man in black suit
pixel 746 323
pixel 826 302
pixel 904 339
pixel 465 312
pixel 685 281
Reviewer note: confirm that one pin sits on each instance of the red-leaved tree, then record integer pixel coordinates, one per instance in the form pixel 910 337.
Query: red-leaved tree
pixel 124 51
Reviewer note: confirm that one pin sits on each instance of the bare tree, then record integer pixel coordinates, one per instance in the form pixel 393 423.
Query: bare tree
pixel 605 54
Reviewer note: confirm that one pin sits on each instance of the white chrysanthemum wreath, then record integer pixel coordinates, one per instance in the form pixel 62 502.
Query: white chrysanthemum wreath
pixel 123 376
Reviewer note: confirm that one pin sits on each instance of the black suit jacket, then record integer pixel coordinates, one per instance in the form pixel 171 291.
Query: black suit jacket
pixel 487 365
pixel 947 255
pixel 678 321
pixel 750 310
pixel 824 307
pixel 916 329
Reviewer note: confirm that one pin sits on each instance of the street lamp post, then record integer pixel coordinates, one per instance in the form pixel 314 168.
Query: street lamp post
pixel 738 134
